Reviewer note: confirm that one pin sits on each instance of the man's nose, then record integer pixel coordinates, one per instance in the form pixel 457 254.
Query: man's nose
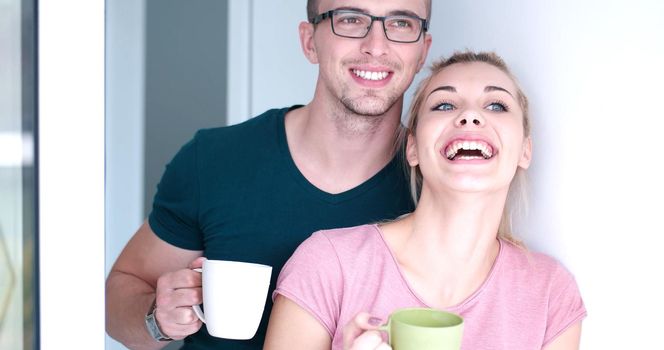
pixel 375 43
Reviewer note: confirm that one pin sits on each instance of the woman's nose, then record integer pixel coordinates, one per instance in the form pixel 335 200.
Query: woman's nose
pixel 469 118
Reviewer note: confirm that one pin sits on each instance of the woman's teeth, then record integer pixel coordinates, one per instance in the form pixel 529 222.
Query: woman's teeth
pixel 472 150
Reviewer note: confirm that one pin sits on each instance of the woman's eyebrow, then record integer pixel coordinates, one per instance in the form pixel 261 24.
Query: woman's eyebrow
pixel 443 88
pixel 490 88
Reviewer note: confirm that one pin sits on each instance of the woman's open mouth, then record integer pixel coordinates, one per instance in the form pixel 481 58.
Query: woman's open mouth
pixel 468 150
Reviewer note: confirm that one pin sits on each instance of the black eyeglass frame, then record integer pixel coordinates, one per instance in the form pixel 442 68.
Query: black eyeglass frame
pixel 330 14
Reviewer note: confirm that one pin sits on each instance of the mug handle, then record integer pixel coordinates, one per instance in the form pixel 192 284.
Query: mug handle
pixel 197 308
pixel 386 328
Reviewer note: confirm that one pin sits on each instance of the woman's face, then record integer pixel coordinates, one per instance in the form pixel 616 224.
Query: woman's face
pixel 470 134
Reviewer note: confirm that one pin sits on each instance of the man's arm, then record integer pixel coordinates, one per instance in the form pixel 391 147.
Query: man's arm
pixel 147 267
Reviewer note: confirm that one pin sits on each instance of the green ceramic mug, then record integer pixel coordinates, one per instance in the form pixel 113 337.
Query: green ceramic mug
pixel 424 329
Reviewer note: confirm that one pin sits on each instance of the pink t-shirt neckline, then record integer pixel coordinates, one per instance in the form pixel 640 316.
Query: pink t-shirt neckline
pixel 452 308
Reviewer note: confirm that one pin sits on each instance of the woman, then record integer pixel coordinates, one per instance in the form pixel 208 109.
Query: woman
pixel 468 147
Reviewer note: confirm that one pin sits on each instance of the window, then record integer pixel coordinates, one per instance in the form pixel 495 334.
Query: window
pixel 18 235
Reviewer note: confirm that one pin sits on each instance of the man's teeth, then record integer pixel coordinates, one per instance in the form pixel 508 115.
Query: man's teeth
pixel 367 75
pixel 453 149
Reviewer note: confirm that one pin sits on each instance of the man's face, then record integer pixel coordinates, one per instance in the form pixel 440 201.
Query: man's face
pixel 368 75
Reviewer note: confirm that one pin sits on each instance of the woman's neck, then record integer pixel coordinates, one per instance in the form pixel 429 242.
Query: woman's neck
pixel 447 247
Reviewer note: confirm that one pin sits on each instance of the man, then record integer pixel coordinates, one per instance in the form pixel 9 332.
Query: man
pixel 252 192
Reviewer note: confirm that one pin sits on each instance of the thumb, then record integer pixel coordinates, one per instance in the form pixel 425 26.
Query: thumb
pixel 367 321
pixel 197 263
pixel 358 325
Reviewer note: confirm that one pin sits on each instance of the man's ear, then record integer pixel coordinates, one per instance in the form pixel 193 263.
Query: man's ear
pixel 411 151
pixel 425 51
pixel 526 153
pixel 306 30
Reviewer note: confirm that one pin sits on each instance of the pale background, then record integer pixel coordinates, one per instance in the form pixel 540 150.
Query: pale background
pixel 592 69
pixel 12 199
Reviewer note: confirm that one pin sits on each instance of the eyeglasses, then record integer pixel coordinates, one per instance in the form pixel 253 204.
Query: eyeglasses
pixel 353 24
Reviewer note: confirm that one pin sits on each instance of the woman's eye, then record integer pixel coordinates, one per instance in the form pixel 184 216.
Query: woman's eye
pixel 445 106
pixel 496 107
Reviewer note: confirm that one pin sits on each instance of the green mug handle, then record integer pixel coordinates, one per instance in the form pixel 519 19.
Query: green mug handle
pixel 386 328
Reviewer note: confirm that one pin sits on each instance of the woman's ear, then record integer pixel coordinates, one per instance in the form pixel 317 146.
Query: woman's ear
pixel 411 151
pixel 526 153
pixel 306 30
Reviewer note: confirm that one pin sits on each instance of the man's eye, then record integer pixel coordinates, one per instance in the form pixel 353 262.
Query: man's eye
pixel 445 106
pixel 401 24
pixel 496 107
pixel 350 20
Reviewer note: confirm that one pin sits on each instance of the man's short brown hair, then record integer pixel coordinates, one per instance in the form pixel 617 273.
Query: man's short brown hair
pixel 312 9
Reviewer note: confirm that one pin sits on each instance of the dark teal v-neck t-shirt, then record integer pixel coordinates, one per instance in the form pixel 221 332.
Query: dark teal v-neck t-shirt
pixel 236 194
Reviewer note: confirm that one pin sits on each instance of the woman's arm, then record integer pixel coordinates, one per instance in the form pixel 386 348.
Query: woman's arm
pixel 292 327
pixel 568 340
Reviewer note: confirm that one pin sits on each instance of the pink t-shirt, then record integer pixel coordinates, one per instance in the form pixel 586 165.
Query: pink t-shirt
pixel 527 300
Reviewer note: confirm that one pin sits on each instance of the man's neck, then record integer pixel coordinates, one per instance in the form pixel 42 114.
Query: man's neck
pixel 338 151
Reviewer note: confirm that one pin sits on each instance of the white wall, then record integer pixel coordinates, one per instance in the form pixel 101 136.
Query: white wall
pixel 14 146
pixel 281 75
pixel 593 71
pixel 266 66
pixel 125 123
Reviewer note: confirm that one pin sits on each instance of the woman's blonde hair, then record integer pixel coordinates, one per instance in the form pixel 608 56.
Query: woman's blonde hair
pixel 517 195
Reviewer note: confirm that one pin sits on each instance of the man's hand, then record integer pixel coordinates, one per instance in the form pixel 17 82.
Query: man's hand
pixel 176 293
pixel 131 287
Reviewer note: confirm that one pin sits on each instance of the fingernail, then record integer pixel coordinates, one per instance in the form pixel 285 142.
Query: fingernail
pixel 375 321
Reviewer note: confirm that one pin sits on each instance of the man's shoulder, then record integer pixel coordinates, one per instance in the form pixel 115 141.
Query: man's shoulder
pixel 267 122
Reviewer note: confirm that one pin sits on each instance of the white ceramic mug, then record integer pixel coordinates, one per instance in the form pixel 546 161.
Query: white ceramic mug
pixel 234 295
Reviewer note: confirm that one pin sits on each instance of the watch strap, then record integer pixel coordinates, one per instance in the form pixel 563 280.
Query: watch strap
pixel 152 325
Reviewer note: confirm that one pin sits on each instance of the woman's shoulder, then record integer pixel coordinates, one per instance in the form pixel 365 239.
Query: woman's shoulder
pixel 346 240
pixel 349 235
pixel 534 266
pixel 340 245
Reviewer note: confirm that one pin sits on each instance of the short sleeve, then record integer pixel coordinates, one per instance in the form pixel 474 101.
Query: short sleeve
pixel 174 216
pixel 312 279
pixel 565 305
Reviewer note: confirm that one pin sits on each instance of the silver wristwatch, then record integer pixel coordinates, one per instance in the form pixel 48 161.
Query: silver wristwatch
pixel 153 327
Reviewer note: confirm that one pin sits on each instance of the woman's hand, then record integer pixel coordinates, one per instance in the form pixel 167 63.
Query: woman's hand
pixel 362 334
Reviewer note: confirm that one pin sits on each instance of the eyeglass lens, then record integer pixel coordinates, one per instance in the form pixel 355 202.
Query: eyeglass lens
pixel 357 25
